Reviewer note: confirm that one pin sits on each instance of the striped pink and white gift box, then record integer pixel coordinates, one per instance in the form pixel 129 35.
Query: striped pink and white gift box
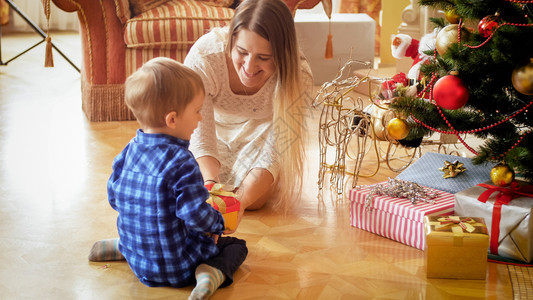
pixel 397 218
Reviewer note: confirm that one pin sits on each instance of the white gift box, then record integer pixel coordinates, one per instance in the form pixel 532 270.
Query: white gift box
pixel 515 238
pixel 353 38
pixel 397 218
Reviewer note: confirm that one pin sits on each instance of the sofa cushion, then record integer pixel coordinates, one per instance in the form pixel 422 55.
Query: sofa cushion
pixel 140 6
pixel 174 24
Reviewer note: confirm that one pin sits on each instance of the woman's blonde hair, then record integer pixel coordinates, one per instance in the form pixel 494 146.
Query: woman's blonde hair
pixel 273 21
pixel 160 86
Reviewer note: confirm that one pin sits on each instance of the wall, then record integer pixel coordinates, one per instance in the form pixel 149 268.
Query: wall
pixel 391 18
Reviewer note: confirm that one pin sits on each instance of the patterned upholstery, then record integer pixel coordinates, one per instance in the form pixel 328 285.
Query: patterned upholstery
pixel 140 6
pixel 170 30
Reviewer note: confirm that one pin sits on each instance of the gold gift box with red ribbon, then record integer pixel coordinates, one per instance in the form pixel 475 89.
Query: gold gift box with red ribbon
pixel 456 247
pixel 225 202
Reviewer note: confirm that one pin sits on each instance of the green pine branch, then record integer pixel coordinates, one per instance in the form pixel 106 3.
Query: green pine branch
pixel 485 68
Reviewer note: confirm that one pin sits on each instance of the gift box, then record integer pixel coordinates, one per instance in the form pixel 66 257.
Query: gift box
pixel 353 38
pixel 396 218
pixel 507 212
pixel 456 247
pixel 425 171
pixel 226 203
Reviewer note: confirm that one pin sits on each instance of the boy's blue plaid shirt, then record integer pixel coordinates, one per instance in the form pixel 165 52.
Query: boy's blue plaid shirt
pixel 158 191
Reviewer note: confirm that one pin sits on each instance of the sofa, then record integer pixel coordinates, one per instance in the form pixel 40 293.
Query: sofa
pixel 118 36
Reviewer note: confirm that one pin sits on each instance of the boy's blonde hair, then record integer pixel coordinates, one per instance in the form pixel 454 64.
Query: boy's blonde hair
pixel 160 86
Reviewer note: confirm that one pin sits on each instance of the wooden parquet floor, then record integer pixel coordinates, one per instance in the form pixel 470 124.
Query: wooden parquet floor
pixel 522 281
pixel 54 165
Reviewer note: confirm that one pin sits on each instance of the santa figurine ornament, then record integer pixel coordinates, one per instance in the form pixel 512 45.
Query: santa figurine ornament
pixel 404 45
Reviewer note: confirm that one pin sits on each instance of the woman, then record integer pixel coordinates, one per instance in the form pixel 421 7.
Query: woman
pixel 257 81
pixel 257 87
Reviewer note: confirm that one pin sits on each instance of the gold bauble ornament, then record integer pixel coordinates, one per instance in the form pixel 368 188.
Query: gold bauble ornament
pixel 398 129
pixel 447 36
pixel 451 15
pixel 502 175
pixel 522 78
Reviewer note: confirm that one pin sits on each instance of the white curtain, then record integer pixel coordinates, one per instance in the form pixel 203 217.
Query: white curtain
pixel 33 9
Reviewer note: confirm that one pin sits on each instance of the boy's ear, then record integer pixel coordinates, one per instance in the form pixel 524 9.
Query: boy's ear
pixel 171 119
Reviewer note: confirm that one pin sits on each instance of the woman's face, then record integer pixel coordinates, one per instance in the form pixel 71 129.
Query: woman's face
pixel 252 59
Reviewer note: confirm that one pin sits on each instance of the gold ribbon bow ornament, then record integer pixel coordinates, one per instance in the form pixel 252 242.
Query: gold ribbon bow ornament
pixel 452 169
pixel 458 227
pixel 455 221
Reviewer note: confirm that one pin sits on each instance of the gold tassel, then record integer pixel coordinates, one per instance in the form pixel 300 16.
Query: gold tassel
pixel 329 44
pixel 4 13
pixel 328 9
pixel 49 57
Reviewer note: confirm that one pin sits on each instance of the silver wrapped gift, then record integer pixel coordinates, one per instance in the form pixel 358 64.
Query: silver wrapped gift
pixel 515 239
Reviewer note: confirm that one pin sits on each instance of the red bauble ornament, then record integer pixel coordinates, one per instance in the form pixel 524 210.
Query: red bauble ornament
pixel 487 25
pixel 450 93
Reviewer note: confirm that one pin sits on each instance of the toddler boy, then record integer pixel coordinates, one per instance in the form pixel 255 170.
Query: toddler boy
pixel 168 234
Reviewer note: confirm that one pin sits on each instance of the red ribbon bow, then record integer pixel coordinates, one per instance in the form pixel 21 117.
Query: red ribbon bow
pixel 504 197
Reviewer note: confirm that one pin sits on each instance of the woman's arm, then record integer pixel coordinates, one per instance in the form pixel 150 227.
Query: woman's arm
pixel 255 190
pixel 210 168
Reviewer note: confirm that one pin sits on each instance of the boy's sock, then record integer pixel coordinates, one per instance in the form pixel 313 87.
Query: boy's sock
pixel 208 279
pixel 105 250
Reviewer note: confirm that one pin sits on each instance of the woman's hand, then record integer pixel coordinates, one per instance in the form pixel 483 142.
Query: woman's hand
pixel 253 193
pixel 239 217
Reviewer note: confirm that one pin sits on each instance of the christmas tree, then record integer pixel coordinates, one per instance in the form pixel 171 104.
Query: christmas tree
pixel 479 82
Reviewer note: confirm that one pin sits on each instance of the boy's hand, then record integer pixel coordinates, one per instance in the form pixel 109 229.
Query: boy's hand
pixel 215 238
